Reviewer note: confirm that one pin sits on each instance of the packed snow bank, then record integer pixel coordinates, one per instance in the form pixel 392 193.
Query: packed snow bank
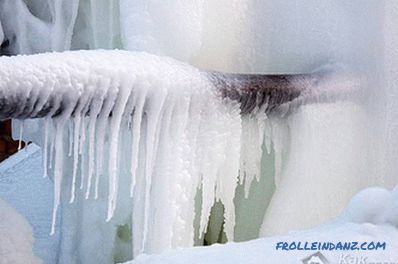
pixel 371 216
pixel 263 251
pixel 374 205
pixel 16 238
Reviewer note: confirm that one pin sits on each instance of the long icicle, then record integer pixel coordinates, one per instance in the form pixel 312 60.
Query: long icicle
pixel 100 134
pixel 21 134
pixel 136 134
pixel 59 133
pixel 120 104
pixel 152 126
pixel 77 122
pixel 94 112
pixel 45 147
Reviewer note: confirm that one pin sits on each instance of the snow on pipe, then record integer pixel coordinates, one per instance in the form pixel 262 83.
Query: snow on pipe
pixel 40 96
pixel 167 107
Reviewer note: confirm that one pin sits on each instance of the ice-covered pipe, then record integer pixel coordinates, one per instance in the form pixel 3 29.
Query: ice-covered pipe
pixel 34 86
pixel 265 92
pixel 284 92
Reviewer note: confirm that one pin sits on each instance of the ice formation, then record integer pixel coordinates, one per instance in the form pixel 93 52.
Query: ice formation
pixel 248 36
pixel 1 33
pixel 153 123
pixel 371 216
pixel 16 238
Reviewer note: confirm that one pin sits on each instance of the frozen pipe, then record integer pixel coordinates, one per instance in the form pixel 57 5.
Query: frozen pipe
pixel 254 92
pixel 262 91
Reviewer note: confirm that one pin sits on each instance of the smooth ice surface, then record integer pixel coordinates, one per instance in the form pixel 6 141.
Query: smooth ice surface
pixel 16 237
pixel 23 186
pixel 370 216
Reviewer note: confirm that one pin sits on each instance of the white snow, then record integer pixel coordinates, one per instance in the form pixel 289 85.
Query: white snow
pixel 371 216
pixel 16 238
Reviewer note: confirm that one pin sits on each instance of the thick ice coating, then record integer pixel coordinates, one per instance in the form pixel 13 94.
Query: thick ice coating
pixel 151 122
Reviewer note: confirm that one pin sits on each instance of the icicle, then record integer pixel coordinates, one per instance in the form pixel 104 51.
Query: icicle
pixel 52 142
pixel 94 111
pixel 117 114
pixel 57 170
pixel 21 134
pixel 82 133
pixel 278 139
pixel 100 137
pixel 268 136
pixel 253 131
pixel 179 182
pixel 154 115
pixel 82 148
pixel 100 140
pixel 136 133
pixel 45 147
pixel 77 122
pixel 70 133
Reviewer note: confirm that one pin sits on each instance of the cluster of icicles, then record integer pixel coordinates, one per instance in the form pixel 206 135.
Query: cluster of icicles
pixel 158 122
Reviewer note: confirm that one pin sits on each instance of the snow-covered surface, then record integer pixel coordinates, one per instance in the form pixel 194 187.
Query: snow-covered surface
pixel 263 251
pixel 371 216
pixel 169 134
pixel 22 185
pixel 16 238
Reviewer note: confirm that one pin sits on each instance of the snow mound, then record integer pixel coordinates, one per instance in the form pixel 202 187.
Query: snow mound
pixel 377 206
pixel 16 238
pixel 371 216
